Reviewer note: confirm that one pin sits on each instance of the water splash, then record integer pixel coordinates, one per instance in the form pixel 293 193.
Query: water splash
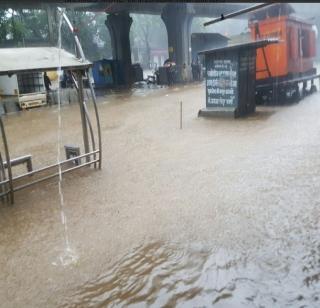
pixel 68 256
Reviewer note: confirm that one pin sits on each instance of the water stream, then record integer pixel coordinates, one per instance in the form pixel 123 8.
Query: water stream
pixel 68 256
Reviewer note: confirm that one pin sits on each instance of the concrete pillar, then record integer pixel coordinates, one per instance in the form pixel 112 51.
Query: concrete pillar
pixel 119 29
pixel 177 18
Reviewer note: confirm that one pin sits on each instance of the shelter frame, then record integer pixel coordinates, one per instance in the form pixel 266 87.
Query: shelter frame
pixel 49 61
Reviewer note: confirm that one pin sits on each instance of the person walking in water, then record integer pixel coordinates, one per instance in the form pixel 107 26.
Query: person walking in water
pixel 47 84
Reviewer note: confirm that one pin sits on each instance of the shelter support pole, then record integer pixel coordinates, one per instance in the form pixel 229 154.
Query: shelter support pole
pixel 6 150
pixel 94 99
pixel 82 113
pixel 91 131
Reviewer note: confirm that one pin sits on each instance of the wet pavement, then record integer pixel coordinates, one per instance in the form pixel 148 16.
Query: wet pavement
pixel 222 213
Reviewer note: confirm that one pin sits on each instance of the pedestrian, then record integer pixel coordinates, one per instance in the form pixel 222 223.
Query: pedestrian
pixel 47 84
pixel 198 71
pixel 184 73
pixel 194 72
pixel 170 74
pixel 47 81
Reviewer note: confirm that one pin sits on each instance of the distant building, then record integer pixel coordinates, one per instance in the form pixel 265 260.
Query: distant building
pixel 206 41
pixel 157 56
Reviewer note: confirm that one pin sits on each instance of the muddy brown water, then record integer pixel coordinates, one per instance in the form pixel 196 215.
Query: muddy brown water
pixel 222 213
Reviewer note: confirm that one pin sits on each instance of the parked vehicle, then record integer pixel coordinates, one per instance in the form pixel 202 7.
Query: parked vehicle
pixel 282 67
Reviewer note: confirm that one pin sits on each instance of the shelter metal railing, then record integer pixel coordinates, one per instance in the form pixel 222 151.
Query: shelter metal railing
pixel 8 183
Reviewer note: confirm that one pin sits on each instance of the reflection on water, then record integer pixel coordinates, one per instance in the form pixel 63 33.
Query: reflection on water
pixel 281 273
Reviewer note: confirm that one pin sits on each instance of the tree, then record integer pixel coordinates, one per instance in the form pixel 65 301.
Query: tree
pixel 142 28
pixel 35 24
pixel 27 27
pixel 11 27
pixel 92 32
pixel 147 32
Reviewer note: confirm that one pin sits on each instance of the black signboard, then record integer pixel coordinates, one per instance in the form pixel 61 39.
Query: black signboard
pixel 222 82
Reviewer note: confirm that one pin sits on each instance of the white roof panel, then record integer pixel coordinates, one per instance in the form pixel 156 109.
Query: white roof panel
pixel 15 60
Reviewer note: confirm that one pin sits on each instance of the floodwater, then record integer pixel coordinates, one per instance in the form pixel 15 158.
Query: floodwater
pixel 221 213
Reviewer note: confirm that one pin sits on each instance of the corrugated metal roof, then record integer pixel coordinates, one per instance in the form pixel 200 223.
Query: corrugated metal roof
pixel 18 60
pixel 254 45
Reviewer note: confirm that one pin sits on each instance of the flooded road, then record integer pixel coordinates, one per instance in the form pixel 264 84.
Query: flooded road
pixel 222 213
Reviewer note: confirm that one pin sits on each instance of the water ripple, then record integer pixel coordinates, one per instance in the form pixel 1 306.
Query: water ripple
pixel 167 275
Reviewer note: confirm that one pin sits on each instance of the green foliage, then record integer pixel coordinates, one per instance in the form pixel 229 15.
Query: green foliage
pixel 17 30
pixel 25 27
pixel 147 31
pixel 18 26
pixel 3 26
pixel 92 32
pixel 35 24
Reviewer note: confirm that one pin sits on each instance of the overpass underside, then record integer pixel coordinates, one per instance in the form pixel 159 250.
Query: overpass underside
pixel 177 18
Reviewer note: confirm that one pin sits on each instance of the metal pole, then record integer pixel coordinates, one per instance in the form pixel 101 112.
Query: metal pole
pixel 83 115
pixel 5 193
pixel 91 131
pixel 78 45
pixel 51 166
pixel 6 150
pixel 4 189
pixel 181 115
pixel 95 109
pixel 237 13
pixel 54 175
pixel 97 119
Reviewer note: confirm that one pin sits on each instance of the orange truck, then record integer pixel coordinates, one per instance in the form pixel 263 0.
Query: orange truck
pixel 282 67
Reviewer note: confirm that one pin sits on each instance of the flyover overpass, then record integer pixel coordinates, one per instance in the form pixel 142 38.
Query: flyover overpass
pixel 177 18
pixel 155 8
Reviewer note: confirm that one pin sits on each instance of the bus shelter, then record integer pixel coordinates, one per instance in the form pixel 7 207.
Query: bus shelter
pixel 42 59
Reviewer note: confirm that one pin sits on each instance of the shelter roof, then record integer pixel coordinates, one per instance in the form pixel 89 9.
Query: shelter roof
pixel 19 60
pixel 248 45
